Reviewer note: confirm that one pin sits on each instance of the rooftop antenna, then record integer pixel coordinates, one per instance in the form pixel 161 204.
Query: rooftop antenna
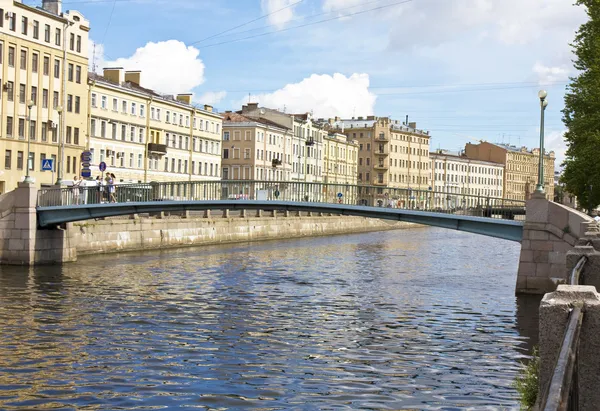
pixel 519 141
pixel 248 98
pixel 94 59
pixel 284 108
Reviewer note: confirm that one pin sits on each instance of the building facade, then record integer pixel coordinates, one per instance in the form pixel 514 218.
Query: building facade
pixel 458 181
pixel 340 159
pixel 255 149
pixel 391 154
pixel 43 72
pixel 520 168
pixel 144 136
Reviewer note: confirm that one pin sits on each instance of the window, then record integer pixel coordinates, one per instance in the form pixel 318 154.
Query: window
pixel 124 108
pixel 103 102
pixel 70 103
pixel 56 68
pixel 133 109
pixel 21 128
pixel 11 56
pixel 10 91
pixel 55 99
pixel 123 132
pixel 23 62
pixel 115 105
pixel 22 92
pixel 132 134
pixel 93 128
pixel 77 104
pixel 140 161
pixel 79 44
pixel 57 37
pixel 142 110
pixel 141 135
pixel 24 25
pixel 103 129
pixel 44 131
pixel 226 135
pixel 12 21
pixel 19 160
pixel 72 42
pixel 36 29
pixel 152 113
pixel 9 126
pixel 32 130
pixel 34 62
pixel 1 48
pixel 168 119
pixel 34 95
pixel 46 66
pixel 70 71
pixel 78 74
pixel 2 19
pixel 7 159
pixel 47 33
pixel 69 133
pixel 94 99
pixel 158 114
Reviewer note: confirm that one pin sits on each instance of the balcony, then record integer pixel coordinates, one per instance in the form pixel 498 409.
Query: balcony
pixel 310 142
pixel 381 152
pixel 275 163
pixel 380 166
pixel 159 149
pixel 382 137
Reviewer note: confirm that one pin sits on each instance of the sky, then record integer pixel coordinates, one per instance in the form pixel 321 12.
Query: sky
pixel 466 70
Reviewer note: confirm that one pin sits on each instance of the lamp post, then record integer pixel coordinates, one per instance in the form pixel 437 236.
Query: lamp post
pixel 28 178
pixel 60 148
pixel 543 104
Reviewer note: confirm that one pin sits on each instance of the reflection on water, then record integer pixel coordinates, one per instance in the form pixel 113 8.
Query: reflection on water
pixel 413 319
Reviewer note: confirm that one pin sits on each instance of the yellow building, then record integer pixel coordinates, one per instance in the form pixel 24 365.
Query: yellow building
pixel 43 52
pixel 144 136
pixel 520 168
pixel 390 154
pixel 340 159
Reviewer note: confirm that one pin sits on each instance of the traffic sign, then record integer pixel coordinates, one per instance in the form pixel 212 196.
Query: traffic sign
pixel 48 164
pixel 102 166
pixel 277 193
pixel 340 195
pixel 85 164
pixel 429 188
pixel 86 156
pixel 86 173
pixel 386 195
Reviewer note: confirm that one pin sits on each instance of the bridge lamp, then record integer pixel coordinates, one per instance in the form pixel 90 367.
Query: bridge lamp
pixel 60 148
pixel 543 104
pixel 28 178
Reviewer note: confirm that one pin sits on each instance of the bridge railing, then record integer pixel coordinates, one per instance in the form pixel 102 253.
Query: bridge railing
pixel 562 393
pixel 367 195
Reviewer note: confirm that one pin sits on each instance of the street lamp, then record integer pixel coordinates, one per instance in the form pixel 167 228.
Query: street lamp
pixel 28 178
pixel 543 104
pixel 60 148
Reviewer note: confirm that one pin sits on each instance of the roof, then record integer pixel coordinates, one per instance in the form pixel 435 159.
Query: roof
pixel 394 124
pixel 515 149
pixel 236 117
pixel 464 159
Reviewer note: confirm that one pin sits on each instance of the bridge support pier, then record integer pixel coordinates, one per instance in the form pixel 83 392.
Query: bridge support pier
pixel 243 213
pixel 259 213
pixel 226 213
pixel 550 231
pixel 206 213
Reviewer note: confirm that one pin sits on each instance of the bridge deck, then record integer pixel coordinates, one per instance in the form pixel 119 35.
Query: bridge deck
pixel 493 227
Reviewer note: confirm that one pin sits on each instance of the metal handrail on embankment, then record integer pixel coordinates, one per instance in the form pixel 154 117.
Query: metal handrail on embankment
pixel 562 393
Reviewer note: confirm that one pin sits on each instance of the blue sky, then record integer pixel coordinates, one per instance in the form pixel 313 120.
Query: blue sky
pixel 463 69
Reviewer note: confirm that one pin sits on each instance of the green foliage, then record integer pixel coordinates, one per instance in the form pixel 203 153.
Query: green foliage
pixel 527 383
pixel 581 115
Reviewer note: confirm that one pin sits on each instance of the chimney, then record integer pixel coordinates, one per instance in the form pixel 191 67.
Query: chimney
pixel 360 118
pixel 252 106
pixel 413 125
pixel 133 77
pixel 116 75
pixel 186 98
pixel 337 118
pixel 206 107
pixel 52 6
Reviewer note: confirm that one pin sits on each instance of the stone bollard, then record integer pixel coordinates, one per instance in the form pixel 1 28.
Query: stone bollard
pixel 554 316
pixel 590 274
pixel 259 213
pixel 206 213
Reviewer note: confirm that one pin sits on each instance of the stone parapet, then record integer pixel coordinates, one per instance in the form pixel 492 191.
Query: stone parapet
pixel 554 316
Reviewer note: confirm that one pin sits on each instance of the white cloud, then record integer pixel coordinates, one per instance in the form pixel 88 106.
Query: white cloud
pixel 555 141
pixel 324 95
pixel 167 66
pixel 212 97
pixel 280 11
pixel 546 75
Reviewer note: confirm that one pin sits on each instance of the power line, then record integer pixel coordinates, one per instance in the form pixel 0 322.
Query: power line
pixel 246 23
pixel 109 20
pixel 307 24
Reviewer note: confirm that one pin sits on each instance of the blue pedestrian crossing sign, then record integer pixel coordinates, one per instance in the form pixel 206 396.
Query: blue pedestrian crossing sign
pixel 48 164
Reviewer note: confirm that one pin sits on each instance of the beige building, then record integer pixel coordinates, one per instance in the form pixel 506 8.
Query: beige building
pixel 390 154
pixel 340 159
pixel 303 148
pixel 520 168
pixel 43 71
pixel 144 136
pixel 255 149
pixel 458 181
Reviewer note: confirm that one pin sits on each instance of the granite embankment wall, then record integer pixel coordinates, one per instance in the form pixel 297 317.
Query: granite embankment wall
pixel 143 233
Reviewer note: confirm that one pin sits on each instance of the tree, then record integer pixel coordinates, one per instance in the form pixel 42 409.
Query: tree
pixel 581 114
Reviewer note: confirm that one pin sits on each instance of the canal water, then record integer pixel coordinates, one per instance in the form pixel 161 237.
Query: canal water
pixel 422 319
